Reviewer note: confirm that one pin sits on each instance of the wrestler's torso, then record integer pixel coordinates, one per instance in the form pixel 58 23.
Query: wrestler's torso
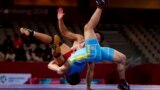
pixel 76 67
pixel 77 45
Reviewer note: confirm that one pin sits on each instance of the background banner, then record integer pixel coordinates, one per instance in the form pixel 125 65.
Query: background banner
pixel 11 78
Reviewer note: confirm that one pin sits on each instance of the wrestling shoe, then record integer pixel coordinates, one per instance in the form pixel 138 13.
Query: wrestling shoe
pixel 123 85
pixel 27 32
pixel 56 46
pixel 100 3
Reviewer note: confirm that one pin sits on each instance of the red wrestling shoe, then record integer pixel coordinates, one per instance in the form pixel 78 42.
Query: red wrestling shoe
pixel 100 3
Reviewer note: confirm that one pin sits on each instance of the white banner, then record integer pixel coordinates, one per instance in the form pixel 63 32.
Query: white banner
pixel 11 78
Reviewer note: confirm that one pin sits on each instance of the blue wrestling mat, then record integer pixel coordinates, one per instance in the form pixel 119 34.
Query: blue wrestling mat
pixel 77 87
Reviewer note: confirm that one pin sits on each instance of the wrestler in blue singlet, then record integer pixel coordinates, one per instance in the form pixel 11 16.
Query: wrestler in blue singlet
pixel 92 52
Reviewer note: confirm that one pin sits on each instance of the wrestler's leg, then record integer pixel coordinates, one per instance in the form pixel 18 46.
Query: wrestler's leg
pixel 113 55
pixel 89 33
pixel 40 36
pixel 92 23
pixel 45 39
pixel 59 51
pixel 120 59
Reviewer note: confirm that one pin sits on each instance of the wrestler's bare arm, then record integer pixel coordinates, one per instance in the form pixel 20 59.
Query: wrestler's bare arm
pixel 52 66
pixel 59 69
pixel 63 29
pixel 89 75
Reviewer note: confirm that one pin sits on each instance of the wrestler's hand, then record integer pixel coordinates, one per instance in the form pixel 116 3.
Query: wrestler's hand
pixel 60 13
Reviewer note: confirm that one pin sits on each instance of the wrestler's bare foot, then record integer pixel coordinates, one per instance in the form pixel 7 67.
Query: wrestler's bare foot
pixel 27 32
pixel 24 31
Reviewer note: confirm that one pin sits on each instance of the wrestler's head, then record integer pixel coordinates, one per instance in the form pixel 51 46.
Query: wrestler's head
pixel 73 79
pixel 99 36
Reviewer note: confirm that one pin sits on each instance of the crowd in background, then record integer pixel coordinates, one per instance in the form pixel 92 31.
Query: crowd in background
pixel 22 48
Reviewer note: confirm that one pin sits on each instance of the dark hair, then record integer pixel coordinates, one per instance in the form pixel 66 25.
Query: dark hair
pixel 101 34
pixel 73 79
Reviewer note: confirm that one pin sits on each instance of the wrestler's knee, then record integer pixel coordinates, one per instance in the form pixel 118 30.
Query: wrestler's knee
pixel 120 58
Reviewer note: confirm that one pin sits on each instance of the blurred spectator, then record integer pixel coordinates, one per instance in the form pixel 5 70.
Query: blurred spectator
pixel 17 42
pixel 7 44
pixel 20 54
pixel 28 49
pixel 41 29
pixel 37 54
pixel 10 56
pixel 1 54
pixel 47 53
